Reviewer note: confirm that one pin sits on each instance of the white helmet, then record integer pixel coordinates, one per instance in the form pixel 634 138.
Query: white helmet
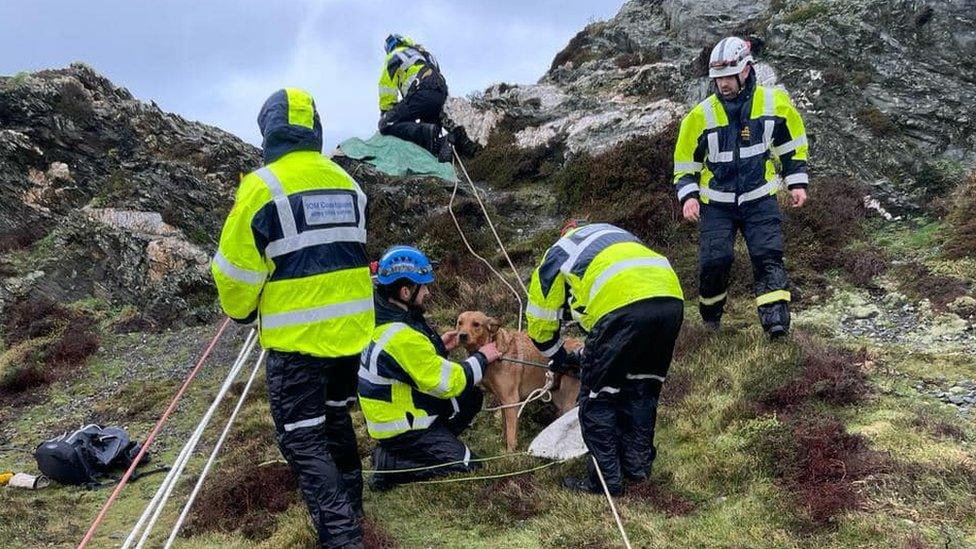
pixel 729 57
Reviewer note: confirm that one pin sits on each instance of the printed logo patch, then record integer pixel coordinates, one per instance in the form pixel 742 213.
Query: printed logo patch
pixel 329 209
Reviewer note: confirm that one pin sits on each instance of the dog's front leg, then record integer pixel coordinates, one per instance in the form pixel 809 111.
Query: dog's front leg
pixel 510 428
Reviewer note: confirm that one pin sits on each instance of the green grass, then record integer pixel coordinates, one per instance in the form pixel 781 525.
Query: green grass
pixel 708 457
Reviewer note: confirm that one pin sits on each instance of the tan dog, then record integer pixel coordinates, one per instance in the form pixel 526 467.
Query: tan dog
pixel 512 382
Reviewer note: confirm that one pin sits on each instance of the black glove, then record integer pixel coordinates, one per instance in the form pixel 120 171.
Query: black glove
pixel 574 358
pixel 383 117
pixel 564 361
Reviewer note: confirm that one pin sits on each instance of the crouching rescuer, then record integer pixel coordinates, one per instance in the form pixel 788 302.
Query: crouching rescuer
pixel 414 399
pixel 292 257
pixel 724 159
pixel 628 300
pixel 412 95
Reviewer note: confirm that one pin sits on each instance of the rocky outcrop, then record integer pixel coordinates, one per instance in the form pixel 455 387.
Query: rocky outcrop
pixel 102 195
pixel 886 87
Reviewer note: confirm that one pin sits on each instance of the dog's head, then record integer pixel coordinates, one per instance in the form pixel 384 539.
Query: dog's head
pixel 475 329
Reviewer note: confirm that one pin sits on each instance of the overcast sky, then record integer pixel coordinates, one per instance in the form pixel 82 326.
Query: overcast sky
pixel 217 60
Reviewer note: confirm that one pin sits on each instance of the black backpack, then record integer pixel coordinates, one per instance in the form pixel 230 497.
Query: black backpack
pixel 87 455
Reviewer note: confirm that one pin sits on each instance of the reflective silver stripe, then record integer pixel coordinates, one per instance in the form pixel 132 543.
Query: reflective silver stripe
pixel 475 370
pixel 388 426
pixel 621 266
pixel 681 167
pixel 241 275
pixel 386 90
pixel 408 58
pixel 752 150
pixel 456 406
pixel 608 390
pixel 540 313
pixel 797 178
pixel 467 455
pixel 445 384
pixel 714 154
pixel 380 344
pixel 405 87
pixel 316 314
pixel 361 196
pixel 712 300
pixel 374 378
pixel 340 403
pixel 710 120
pixel 686 190
pixel 568 265
pixel 769 101
pixel 554 349
pixel 718 196
pixel 769 127
pixel 423 422
pixel 285 215
pixel 645 376
pixel 768 189
pixel 315 238
pixel 305 423
pixel 790 146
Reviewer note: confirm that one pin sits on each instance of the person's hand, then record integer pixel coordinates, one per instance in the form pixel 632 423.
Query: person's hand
pixel 799 197
pixel 450 340
pixel 491 352
pixel 691 210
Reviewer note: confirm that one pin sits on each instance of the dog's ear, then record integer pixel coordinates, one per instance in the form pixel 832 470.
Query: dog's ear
pixel 493 325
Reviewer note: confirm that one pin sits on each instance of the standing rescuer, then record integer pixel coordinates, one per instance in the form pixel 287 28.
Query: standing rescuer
pixel 628 300
pixel 724 159
pixel 412 95
pixel 292 256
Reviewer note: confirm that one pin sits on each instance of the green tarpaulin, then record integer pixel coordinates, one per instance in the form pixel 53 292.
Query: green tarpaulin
pixel 397 157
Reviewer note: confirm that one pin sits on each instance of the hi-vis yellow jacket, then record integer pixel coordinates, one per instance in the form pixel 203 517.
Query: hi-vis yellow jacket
pixel 405 68
pixel 592 271
pixel 721 159
pixel 406 381
pixel 292 250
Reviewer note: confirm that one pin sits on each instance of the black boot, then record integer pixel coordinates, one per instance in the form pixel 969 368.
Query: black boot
pixel 445 147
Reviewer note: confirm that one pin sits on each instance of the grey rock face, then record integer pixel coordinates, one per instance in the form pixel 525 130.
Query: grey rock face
pixel 885 88
pixel 109 196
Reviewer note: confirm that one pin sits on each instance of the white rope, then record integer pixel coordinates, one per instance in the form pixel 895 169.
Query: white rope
pixel 155 507
pixel 450 208
pixel 214 452
pixel 542 393
pixel 491 225
pixel 606 491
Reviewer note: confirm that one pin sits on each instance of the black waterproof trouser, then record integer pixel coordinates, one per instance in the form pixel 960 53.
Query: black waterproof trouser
pixel 759 221
pixel 435 445
pixel 417 118
pixel 309 400
pixel 626 359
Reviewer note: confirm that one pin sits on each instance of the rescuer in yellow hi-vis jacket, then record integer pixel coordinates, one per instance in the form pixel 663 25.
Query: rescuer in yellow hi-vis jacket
pixel 412 94
pixel 725 176
pixel 292 258
pixel 415 400
pixel 627 299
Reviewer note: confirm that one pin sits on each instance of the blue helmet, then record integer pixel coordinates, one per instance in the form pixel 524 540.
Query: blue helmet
pixel 404 262
pixel 394 40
